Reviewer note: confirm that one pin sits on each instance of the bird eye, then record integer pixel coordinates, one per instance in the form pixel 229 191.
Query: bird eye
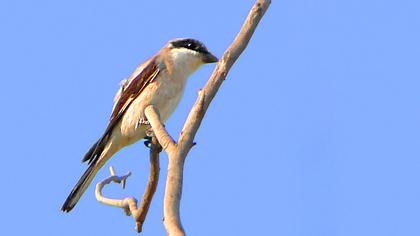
pixel 190 45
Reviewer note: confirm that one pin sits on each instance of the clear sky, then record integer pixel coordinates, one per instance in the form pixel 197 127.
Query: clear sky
pixel 316 130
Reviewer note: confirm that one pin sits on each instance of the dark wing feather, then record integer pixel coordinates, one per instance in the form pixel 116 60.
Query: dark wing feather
pixel 127 96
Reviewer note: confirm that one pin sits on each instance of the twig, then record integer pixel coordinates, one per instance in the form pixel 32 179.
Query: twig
pixel 178 152
pixel 165 140
pixel 152 182
pixel 129 204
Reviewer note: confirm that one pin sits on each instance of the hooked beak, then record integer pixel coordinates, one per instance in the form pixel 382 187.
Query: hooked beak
pixel 209 58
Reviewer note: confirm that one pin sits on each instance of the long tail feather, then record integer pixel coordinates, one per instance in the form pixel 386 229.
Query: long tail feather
pixel 80 187
pixel 96 150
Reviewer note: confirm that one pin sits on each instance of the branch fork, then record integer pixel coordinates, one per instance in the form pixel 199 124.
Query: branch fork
pixel 177 152
pixel 129 204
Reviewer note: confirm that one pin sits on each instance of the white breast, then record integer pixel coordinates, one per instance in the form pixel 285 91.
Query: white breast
pixel 164 93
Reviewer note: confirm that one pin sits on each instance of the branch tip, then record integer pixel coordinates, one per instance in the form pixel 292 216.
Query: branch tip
pixel 111 170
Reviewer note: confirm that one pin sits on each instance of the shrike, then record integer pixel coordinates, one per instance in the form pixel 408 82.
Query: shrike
pixel 160 81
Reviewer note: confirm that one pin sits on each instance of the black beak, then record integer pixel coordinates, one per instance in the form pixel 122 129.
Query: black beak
pixel 209 58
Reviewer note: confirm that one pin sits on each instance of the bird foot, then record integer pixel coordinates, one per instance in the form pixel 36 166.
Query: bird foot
pixel 148 141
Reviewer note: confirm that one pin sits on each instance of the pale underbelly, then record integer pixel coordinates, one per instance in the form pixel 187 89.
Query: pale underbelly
pixel 165 99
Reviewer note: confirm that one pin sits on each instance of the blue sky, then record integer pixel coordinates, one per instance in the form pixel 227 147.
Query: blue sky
pixel 315 131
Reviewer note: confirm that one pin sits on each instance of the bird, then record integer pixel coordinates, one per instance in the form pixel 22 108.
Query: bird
pixel 159 81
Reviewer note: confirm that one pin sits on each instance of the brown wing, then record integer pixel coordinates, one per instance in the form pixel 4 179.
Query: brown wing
pixel 135 86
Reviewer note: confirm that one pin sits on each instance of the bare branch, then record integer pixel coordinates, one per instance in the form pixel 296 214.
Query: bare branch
pixel 178 154
pixel 159 130
pixel 152 182
pixel 173 192
pixel 219 74
pixel 129 204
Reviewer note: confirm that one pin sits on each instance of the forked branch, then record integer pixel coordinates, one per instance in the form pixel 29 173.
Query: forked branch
pixel 178 152
pixel 129 204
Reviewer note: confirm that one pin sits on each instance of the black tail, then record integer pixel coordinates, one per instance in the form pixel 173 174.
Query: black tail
pixel 79 188
pixel 96 150
pixel 92 156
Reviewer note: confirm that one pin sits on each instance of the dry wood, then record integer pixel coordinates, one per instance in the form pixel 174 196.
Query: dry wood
pixel 177 152
pixel 129 204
